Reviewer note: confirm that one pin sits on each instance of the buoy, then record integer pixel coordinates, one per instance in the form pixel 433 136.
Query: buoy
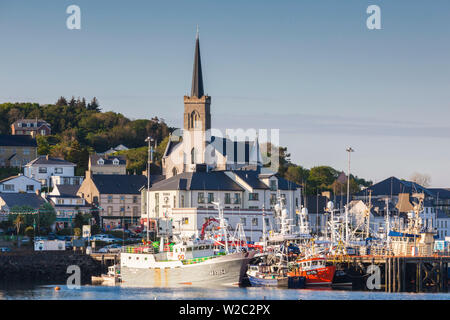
pixel 57 288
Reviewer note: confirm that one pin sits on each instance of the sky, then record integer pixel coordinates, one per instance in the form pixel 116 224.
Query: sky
pixel 309 68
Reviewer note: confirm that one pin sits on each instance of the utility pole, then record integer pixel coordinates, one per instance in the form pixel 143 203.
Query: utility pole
pixel 349 150
pixel 149 161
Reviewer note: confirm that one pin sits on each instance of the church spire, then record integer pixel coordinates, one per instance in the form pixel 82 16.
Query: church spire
pixel 197 78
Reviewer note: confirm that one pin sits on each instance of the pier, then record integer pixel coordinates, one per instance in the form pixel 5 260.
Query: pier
pixel 106 259
pixel 398 273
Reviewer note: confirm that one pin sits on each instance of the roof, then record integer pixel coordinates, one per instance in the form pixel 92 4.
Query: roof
pixel 284 184
pixel 394 186
pixel 213 180
pixel 18 176
pixel 251 178
pixel 119 183
pixel 67 190
pixel 316 204
pixel 441 193
pixel 22 199
pixel 39 122
pixel 50 161
pixel 197 77
pixel 240 150
pixel 107 158
pixel 7 140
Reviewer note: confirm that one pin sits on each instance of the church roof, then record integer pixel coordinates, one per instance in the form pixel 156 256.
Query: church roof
pixel 197 77
pixel 213 180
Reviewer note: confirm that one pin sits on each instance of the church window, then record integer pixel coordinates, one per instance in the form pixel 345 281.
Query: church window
pixel 193 156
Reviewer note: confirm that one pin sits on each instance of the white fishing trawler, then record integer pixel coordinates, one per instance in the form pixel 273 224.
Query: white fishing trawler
pixel 185 262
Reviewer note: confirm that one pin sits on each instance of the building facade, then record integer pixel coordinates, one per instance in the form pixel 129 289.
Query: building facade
pixel 44 167
pixel 19 183
pixel 16 150
pixel 32 127
pixel 117 197
pixel 107 164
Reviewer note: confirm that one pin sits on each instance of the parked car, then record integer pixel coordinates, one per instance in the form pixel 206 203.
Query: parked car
pixel 40 238
pixel 112 248
pixel 5 249
pixel 25 239
pixel 69 245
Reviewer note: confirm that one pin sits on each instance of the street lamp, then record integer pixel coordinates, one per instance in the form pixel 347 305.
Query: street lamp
pixel 149 161
pixel 349 150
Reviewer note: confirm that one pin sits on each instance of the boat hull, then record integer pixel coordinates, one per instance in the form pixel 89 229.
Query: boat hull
pixel 317 277
pixel 263 282
pixel 223 270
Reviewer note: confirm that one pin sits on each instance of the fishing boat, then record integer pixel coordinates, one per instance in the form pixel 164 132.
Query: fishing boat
pixel 180 261
pixel 264 275
pixel 111 278
pixel 315 271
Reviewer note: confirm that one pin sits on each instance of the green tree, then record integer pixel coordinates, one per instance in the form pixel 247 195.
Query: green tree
pixel 47 216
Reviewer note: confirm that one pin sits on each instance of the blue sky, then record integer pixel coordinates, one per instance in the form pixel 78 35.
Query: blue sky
pixel 310 68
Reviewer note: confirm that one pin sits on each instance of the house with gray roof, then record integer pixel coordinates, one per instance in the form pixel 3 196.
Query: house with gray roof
pixel 16 150
pixel 116 196
pixel 8 202
pixel 44 167
pixel 19 183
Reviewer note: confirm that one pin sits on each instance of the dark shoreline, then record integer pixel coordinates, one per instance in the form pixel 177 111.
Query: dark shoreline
pixel 45 267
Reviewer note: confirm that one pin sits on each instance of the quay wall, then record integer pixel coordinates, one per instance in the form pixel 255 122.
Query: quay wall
pixel 46 266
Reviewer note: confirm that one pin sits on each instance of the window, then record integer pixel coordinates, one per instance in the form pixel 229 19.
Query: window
pixel 60 201
pixel 237 198
pixel 8 187
pixel 109 210
pixel 266 220
pixel 253 207
pixel 43 133
pixel 157 204
pixel 79 201
pixel 28 125
pixel 243 221
pixel 253 196
pixel 201 197
pixel 227 198
pixel 19 124
pixel 254 222
pixel 59 170
pixel 116 162
pixel 122 199
pixel 30 187
pixel 135 211
pixel 210 197
pixel 122 209
pixel 273 185
pixel 182 201
pixel 110 199
pixel 26 151
pixel 273 198
pixel 100 162
pixel 42 170
pixel 135 199
pixel 185 221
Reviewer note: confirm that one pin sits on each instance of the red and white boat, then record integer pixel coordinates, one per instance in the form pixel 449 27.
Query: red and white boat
pixel 315 271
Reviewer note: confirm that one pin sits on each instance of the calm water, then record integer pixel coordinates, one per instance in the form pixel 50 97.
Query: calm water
pixel 126 293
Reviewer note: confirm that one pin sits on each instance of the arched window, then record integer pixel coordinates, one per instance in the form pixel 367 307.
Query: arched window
pixel 174 171
pixel 194 121
pixel 193 156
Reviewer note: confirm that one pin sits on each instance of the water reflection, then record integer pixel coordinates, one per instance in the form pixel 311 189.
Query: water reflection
pixel 88 292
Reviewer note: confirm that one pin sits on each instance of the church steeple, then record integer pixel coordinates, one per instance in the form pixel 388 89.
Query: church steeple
pixel 197 77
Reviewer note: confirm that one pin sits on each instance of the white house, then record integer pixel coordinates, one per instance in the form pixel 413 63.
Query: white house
pixel 19 183
pixel 246 195
pixel 442 225
pixel 44 167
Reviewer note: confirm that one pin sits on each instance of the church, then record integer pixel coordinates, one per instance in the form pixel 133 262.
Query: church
pixel 200 168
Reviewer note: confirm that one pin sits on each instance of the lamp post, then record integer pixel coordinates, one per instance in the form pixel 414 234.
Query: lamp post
pixel 149 161
pixel 349 150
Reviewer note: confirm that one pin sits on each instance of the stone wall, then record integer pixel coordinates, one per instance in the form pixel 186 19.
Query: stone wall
pixel 46 267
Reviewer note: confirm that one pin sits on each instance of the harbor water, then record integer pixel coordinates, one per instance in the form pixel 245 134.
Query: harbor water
pixel 89 292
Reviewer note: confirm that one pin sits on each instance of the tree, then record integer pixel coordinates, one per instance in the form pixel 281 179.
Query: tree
pixel 43 145
pixel 94 105
pixel 61 102
pixel 47 216
pixel 421 179
pixel 20 219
